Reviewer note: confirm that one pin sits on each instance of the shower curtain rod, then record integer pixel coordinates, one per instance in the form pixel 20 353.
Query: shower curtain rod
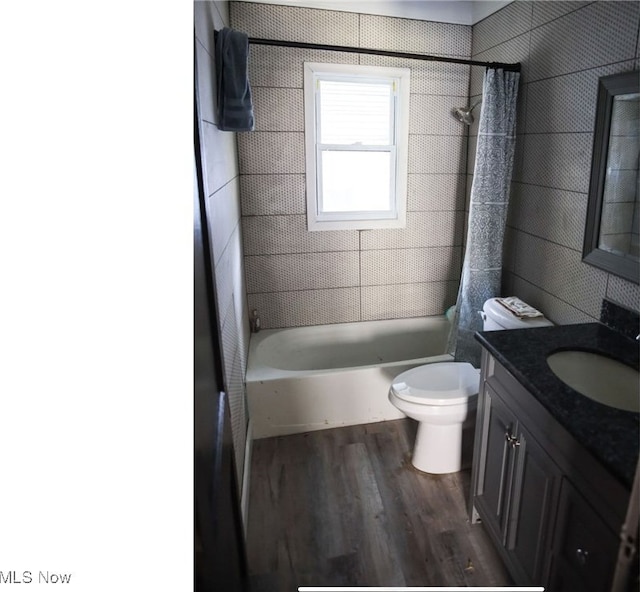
pixel 381 52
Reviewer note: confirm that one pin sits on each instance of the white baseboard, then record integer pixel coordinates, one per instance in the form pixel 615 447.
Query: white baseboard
pixel 246 477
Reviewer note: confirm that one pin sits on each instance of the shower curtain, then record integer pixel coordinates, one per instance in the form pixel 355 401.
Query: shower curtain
pixel 482 266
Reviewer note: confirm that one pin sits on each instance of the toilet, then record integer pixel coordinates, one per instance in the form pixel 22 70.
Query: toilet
pixel 442 397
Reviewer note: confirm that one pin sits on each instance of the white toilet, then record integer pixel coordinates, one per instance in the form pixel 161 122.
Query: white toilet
pixel 442 397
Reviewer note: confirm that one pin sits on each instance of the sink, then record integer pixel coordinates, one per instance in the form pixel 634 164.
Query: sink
pixel 598 377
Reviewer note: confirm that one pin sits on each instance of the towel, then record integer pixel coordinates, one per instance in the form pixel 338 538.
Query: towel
pixel 519 308
pixel 235 109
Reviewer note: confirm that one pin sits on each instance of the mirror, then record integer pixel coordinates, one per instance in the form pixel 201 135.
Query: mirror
pixel 611 234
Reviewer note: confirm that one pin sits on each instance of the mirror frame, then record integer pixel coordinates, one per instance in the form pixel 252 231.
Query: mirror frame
pixel 608 88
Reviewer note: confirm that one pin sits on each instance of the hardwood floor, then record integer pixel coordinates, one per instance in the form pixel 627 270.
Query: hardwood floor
pixel 345 507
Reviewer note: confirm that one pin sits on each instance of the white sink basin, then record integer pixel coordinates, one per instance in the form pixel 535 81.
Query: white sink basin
pixel 598 377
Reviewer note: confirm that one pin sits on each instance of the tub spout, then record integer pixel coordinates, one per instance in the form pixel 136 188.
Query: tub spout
pixel 254 322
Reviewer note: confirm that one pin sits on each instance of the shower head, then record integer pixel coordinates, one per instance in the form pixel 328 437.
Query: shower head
pixel 464 115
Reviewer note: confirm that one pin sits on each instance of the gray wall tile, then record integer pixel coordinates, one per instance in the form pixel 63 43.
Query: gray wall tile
pixel 555 215
pixel 224 208
pixel 407 300
pixel 229 271
pixel 623 292
pixel 271 152
pixel 220 13
pixel 267 235
pixel 598 34
pixel 429 193
pixel 550 10
pixel 220 156
pixel 561 271
pixel 206 83
pixel 437 154
pixel 508 279
pixel 413 36
pixel 204 24
pixel 567 103
pixel 292 23
pixel 509 246
pixel 556 310
pixel 308 307
pixel 424 229
pixel 428 78
pixel 406 266
pixel 282 67
pixel 422 120
pixel 278 109
pixel 472 146
pixel 561 161
pixel 510 21
pixel 301 271
pixel 518 158
pixel 272 194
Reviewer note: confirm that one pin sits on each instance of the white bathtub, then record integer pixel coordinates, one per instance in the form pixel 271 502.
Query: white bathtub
pixel 313 378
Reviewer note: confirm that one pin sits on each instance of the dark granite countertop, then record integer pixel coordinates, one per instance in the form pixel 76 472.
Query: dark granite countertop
pixel 611 435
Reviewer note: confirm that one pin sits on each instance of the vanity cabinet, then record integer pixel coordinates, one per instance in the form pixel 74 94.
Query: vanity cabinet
pixel 517 486
pixel 552 512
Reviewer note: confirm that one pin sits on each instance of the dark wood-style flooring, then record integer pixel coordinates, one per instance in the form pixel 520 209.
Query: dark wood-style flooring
pixel 345 507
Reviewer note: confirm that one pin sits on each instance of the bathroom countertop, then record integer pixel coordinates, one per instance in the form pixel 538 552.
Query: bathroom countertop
pixel 611 435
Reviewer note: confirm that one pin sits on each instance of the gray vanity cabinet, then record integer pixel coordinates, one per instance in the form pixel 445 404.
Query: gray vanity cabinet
pixel 551 510
pixel 516 486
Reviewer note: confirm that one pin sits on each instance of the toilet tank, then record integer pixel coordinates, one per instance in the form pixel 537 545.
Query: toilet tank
pixel 496 318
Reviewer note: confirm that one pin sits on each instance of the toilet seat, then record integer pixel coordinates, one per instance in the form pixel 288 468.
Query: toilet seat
pixel 442 383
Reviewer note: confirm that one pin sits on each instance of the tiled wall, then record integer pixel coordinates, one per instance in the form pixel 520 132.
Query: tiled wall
pixel 564 48
pixel 222 186
pixel 296 277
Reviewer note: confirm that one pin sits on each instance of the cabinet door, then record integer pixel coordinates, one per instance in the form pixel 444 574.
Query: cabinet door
pixel 496 465
pixel 536 483
pixel 584 548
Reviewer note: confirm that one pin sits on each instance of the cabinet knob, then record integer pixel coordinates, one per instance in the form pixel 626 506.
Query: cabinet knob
pixel 582 555
pixel 511 440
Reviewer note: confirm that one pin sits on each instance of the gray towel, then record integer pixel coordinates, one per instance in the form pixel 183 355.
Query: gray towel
pixel 235 109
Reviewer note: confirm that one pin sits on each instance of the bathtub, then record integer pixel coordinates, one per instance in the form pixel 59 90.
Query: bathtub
pixel 313 378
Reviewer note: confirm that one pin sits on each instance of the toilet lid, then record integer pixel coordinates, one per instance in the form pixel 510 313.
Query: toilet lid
pixel 441 383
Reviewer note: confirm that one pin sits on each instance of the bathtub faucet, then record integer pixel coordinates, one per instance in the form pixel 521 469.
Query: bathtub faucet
pixel 254 321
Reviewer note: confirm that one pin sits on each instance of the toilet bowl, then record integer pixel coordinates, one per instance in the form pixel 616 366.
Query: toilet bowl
pixel 441 397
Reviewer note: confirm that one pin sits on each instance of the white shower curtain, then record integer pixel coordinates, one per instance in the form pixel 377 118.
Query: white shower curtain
pixel 482 266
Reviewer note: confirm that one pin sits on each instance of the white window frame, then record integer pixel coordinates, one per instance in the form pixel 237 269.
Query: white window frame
pixel 362 220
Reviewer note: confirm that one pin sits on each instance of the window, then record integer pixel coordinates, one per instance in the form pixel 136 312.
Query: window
pixel 356 133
